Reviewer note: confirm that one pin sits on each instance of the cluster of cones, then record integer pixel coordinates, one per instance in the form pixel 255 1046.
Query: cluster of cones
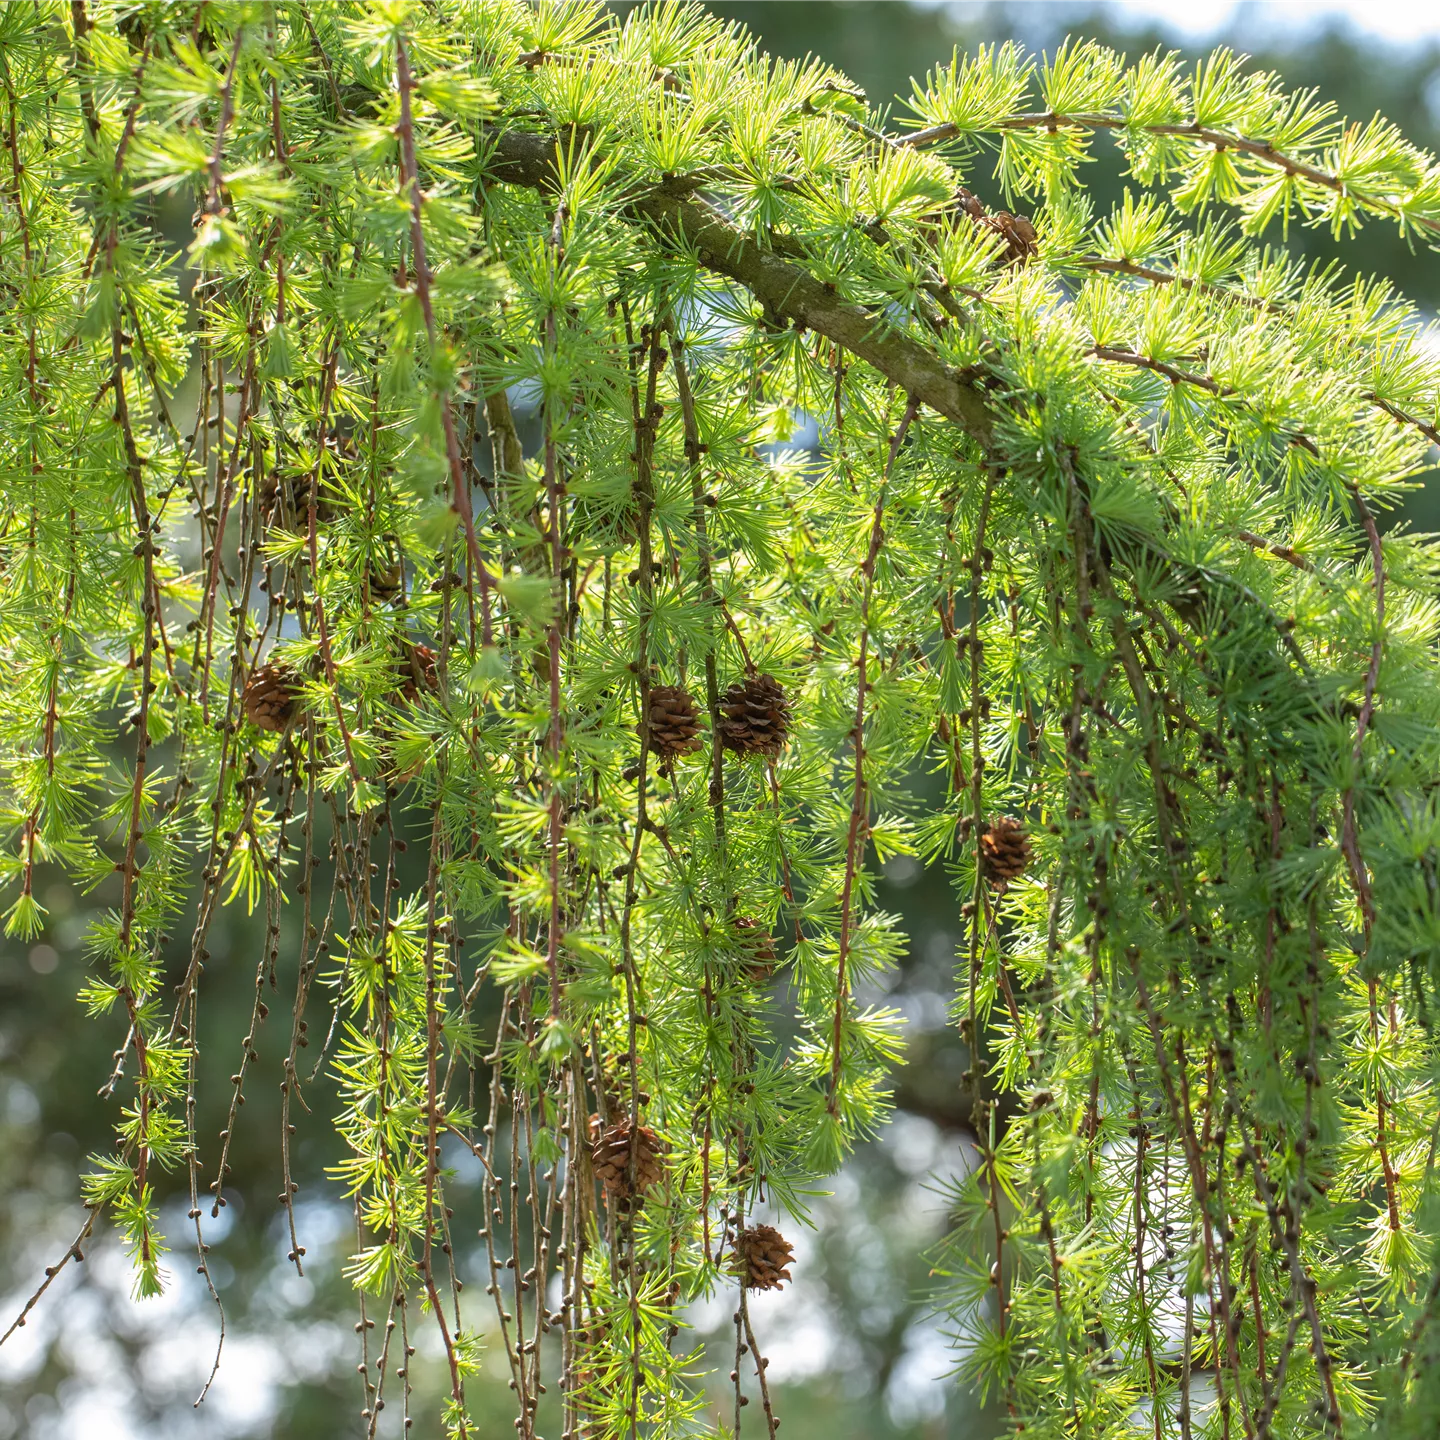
pixel 754 719
pixel 628 1161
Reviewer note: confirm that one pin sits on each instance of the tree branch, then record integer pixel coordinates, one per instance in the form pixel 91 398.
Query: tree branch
pixel 787 290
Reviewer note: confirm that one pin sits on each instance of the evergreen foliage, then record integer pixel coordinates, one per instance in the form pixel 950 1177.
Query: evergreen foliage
pixel 1091 542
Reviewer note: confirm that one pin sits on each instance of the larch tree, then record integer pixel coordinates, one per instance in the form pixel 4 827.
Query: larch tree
pixel 1087 592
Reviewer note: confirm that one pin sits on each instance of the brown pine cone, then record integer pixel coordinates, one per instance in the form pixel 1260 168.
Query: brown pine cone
pixel 621 1151
pixel 674 722
pixel 1004 850
pixel 387 582
pixel 757 949
pixel 762 1257
pixel 416 670
pixel 270 697
pixel 1016 231
pixel 970 203
pixel 285 500
pixel 755 716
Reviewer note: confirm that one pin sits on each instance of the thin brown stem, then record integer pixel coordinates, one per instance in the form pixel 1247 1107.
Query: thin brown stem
pixel 857 834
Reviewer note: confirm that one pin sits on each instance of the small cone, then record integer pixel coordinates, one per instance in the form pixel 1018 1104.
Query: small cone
pixel 1018 234
pixel 755 716
pixel 416 670
pixel 1004 850
pixel 270 697
pixel 387 583
pixel 285 499
pixel 757 949
pixel 415 674
pixel 1015 230
pixel 674 723
pixel 626 1161
pixel 763 1257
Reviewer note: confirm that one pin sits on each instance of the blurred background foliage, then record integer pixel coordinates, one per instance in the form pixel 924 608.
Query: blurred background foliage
pixel 855 1349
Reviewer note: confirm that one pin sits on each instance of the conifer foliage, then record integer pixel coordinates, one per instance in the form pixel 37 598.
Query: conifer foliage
pixel 1091 559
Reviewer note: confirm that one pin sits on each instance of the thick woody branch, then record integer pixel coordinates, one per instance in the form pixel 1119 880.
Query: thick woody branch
pixel 788 291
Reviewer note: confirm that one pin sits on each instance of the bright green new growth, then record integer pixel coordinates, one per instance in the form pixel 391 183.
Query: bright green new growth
pixel 1091 542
